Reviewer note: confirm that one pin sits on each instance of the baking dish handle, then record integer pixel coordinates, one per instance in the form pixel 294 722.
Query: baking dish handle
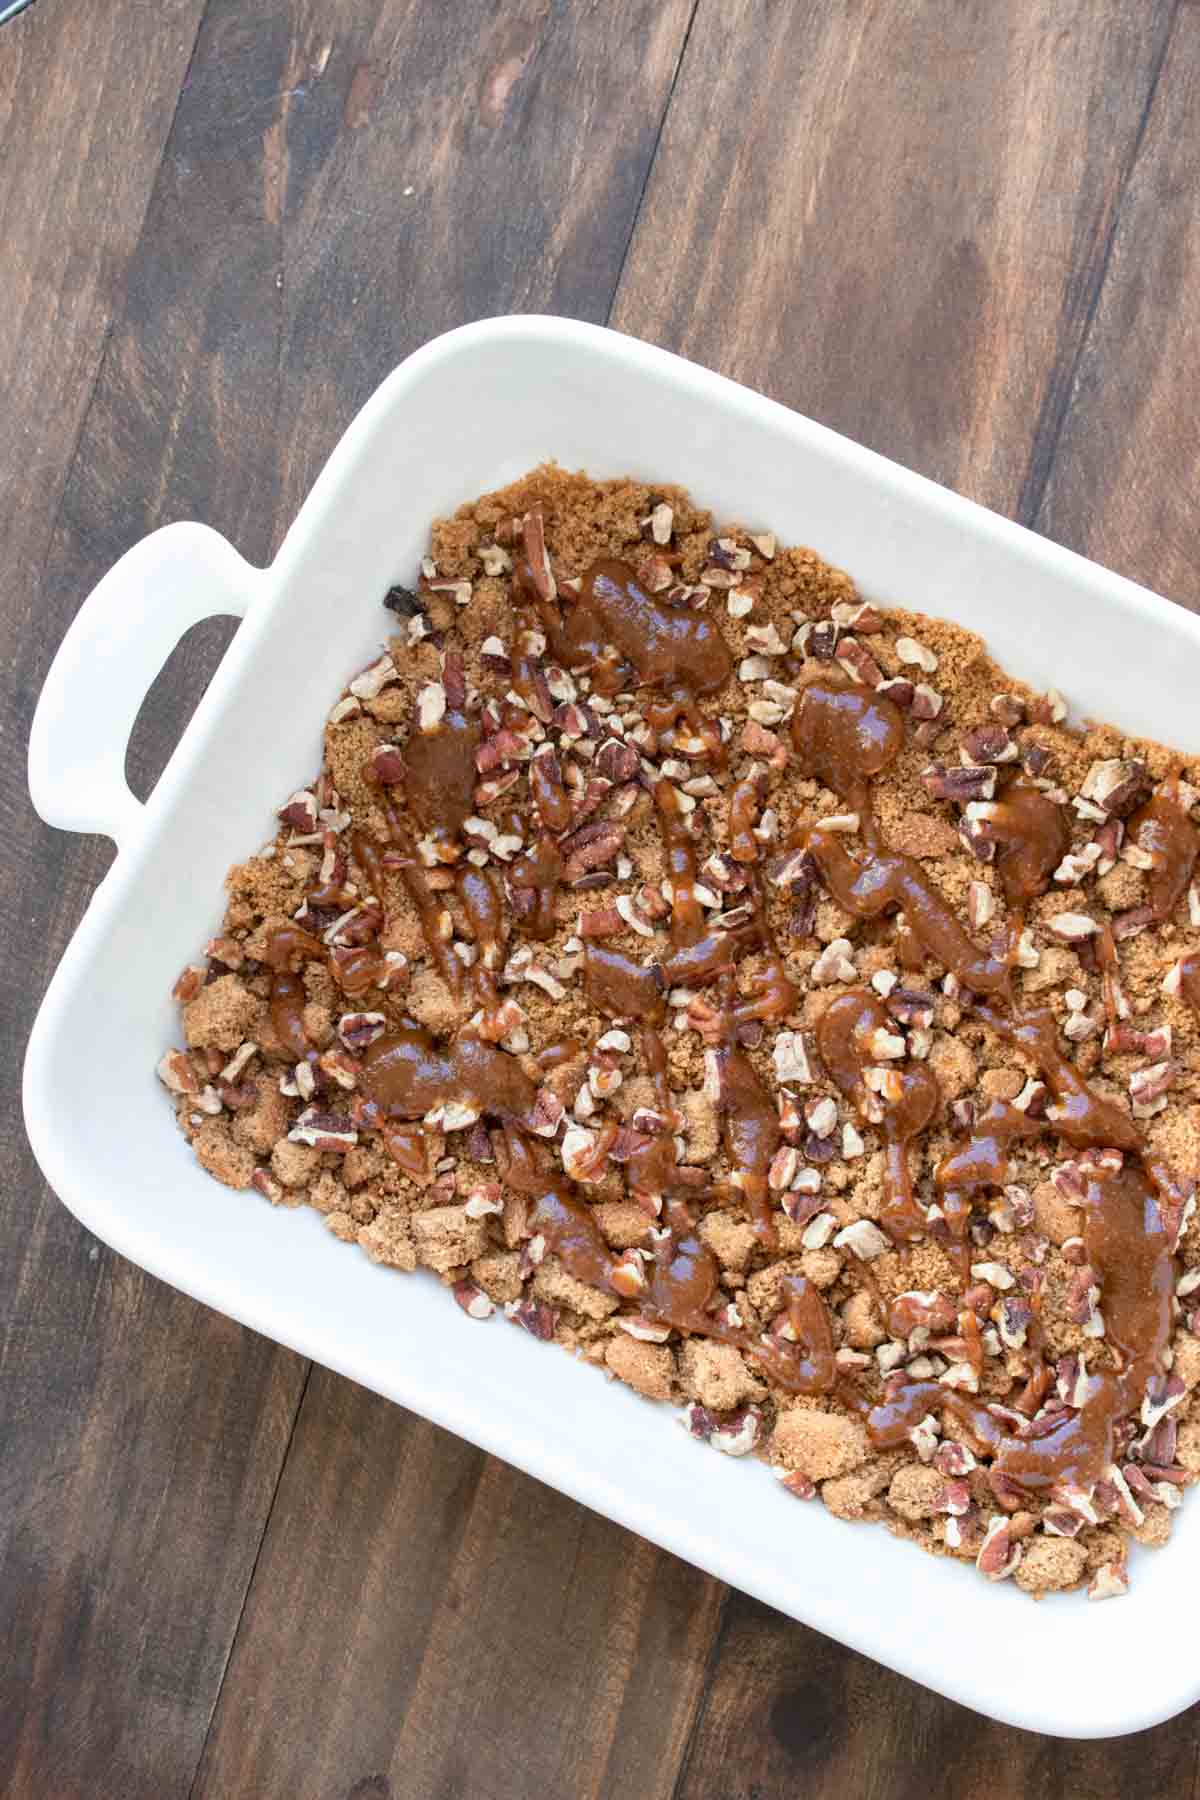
pixel 115 646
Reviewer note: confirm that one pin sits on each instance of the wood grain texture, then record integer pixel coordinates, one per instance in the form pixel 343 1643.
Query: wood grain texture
pixel 1124 483
pixel 281 272
pixel 450 1627
pixel 894 217
pixel 965 234
pixel 74 183
pixel 140 1435
pixel 789 1712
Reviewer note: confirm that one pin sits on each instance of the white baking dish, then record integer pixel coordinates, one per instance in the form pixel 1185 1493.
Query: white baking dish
pixel 468 412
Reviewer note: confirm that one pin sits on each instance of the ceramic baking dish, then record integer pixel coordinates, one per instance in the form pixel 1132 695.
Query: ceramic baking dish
pixel 468 412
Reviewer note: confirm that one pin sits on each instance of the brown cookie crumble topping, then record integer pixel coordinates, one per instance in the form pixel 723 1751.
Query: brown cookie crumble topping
pixel 761 995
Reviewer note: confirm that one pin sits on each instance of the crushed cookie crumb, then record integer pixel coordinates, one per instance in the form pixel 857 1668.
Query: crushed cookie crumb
pixel 788 1070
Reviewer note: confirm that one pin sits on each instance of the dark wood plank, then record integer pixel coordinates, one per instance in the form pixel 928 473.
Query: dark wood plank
pixel 789 1712
pixel 282 271
pixel 894 217
pixel 424 1620
pixel 75 187
pixel 524 133
pixel 778 242
pixel 1123 484
pixel 131 1423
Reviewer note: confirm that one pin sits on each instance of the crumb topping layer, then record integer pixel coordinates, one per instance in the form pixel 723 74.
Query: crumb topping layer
pixel 761 995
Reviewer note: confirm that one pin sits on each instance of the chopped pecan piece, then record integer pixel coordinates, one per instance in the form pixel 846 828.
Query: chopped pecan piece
pixel 988 744
pixel 534 1316
pixel 474 1302
pixel 967 782
pixel 591 847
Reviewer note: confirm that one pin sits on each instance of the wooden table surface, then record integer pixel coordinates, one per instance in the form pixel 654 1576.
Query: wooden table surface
pixel 966 232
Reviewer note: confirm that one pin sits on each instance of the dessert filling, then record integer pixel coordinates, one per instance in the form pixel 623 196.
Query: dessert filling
pixel 760 994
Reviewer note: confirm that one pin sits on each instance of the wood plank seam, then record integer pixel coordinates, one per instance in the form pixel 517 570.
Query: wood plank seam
pixel 653 158
pixel 115 315
pixel 1061 389
pixel 710 1669
pixel 233 1636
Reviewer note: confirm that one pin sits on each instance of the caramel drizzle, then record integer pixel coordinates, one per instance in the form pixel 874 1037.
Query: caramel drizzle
pixel 978 1165
pixel 886 881
pixel 844 735
pixel 662 646
pixel 1128 1246
pixel 288 996
pixel 439 773
pixel 1031 838
pixel 1126 1238
pixel 1164 832
pixel 405 1075
pixel 902 1104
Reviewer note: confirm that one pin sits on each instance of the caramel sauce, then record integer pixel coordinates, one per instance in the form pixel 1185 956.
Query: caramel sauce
pixel 479 892
pixel 550 797
pixel 750 1134
pixel 405 1074
pixel 1163 830
pixel 555 1055
pixel 713 955
pixel 685 1285
pixel 845 734
pixel 905 1313
pixel 621 988
pixel 744 806
pixel 406 1145
pixel 809 1366
pixel 666 712
pixel 654 1055
pixel 652 1167
pixel 909 953
pixel 288 1000
pixel 685 1280
pixel 887 881
pixel 369 857
pixel 687 914
pixel 357 970
pixel 288 996
pixel 981 1162
pixel 538 872
pixel 289 943
pixel 430 910
pixel 667 646
pixel 910 1097
pixel 439 773
pixel 1031 836
pixel 1086 1119
pixel 558 1214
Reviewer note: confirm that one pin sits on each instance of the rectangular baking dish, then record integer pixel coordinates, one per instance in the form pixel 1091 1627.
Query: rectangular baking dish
pixel 468 412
